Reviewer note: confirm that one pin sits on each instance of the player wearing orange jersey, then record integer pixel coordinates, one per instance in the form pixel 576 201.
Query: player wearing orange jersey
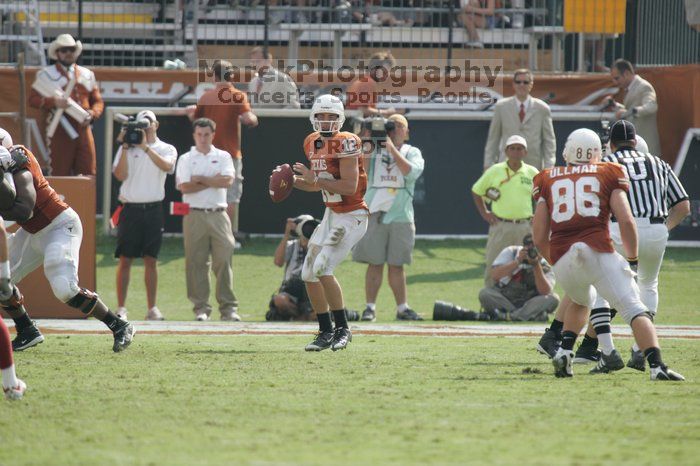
pixel 336 169
pixel 574 204
pixel 51 234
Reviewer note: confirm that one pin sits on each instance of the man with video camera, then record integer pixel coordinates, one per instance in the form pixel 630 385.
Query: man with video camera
pixel 393 168
pixel 523 289
pixel 141 164
pixel 291 302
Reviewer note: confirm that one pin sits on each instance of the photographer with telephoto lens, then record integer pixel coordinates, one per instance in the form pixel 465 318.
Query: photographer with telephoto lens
pixel 141 164
pixel 291 302
pixel 523 290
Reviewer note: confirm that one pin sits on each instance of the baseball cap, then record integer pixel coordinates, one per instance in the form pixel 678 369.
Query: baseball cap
pixel 515 139
pixel 622 130
pixel 146 114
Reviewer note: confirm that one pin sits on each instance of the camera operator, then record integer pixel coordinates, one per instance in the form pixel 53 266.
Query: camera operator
pixel 523 290
pixel 291 302
pixel 391 231
pixel 141 164
pixel 523 285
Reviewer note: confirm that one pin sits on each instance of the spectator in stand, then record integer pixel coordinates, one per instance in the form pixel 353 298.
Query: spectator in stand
pixel 270 88
pixel 70 156
pixel 477 14
pixel 228 107
pixel 362 93
pixel 524 115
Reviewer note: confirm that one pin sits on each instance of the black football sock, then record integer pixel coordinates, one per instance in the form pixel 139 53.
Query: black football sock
pixel 653 356
pixel 556 327
pixel 324 322
pixel 589 342
pixel 568 339
pixel 22 322
pixel 111 320
pixel 341 320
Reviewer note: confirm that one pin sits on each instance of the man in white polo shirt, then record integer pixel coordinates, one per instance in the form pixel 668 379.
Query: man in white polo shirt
pixel 142 169
pixel 203 174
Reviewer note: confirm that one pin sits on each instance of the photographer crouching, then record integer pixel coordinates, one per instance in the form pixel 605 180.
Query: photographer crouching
pixel 141 164
pixel 291 302
pixel 523 289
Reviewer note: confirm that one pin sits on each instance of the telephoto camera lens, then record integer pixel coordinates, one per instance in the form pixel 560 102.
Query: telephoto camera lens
pixel 448 311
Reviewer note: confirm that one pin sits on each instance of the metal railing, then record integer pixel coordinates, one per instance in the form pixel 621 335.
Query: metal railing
pixel 523 33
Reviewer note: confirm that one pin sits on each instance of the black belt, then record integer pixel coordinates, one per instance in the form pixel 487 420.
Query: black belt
pixel 515 220
pixel 215 209
pixel 143 205
pixel 652 220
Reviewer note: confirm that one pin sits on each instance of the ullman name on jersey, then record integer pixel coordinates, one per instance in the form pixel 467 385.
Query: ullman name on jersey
pixel 573 170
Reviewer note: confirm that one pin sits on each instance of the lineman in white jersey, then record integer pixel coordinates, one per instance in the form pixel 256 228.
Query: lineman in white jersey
pixel 659 203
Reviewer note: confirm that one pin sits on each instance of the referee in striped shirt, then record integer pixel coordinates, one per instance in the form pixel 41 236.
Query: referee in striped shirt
pixel 659 203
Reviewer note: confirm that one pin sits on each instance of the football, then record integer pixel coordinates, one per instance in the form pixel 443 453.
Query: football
pixel 281 183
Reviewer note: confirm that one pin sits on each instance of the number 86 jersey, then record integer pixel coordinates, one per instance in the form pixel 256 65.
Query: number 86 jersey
pixel 324 155
pixel 578 201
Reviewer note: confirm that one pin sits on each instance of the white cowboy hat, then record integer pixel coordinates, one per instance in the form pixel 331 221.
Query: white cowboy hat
pixel 64 40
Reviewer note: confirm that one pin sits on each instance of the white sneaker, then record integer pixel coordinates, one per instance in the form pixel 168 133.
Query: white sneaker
pixel 231 317
pixel 664 373
pixel 121 313
pixel 15 393
pixel 562 362
pixel 202 317
pixel 154 314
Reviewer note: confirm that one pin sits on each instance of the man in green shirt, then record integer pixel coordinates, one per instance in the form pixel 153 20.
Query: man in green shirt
pixel 508 188
pixel 391 231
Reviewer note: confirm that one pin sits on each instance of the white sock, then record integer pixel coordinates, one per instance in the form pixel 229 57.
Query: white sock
pixel 9 378
pixel 606 344
pixel 401 307
pixel 5 269
pixel 372 306
pixel 635 347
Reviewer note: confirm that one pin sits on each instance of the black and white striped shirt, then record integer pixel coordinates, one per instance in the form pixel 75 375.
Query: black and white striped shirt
pixel 654 188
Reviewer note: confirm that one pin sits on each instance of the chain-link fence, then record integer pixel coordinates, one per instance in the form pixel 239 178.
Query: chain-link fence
pixel 546 35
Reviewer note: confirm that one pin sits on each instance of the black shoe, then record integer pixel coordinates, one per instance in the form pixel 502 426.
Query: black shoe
pixel 609 363
pixel 26 338
pixel 323 341
pixel 341 338
pixel 586 354
pixel 408 314
pixel 664 373
pixel 637 361
pixel 123 335
pixel 368 315
pixel 549 343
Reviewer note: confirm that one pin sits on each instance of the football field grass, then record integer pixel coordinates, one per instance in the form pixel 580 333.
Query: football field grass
pixel 261 400
pixel 387 400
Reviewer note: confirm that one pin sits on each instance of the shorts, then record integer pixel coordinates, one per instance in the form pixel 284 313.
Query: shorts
pixel 582 268
pixel 324 255
pixel 140 230
pixel 385 243
pixel 235 191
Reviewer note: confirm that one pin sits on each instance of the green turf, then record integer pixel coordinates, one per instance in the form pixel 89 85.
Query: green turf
pixel 448 270
pixel 385 400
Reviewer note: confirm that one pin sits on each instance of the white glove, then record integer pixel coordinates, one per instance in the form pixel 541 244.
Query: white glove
pixel 336 235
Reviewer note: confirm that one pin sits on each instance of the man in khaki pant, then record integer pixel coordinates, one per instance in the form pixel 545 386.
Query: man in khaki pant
pixel 203 174
pixel 508 187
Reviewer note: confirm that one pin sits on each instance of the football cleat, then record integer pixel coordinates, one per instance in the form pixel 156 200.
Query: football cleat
pixel 608 363
pixel 341 337
pixel 26 338
pixel 587 354
pixel 562 362
pixel 549 343
pixel 322 341
pixel 408 314
pixel 664 373
pixel 17 392
pixel 637 361
pixel 368 315
pixel 123 335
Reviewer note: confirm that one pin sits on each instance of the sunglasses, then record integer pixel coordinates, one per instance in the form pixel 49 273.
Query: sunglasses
pixel 66 50
pixel 521 82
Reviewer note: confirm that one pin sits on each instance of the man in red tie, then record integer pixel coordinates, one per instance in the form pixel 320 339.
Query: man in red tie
pixel 526 116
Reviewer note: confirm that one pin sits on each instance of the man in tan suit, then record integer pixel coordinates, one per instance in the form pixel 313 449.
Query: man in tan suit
pixel 526 116
pixel 639 105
